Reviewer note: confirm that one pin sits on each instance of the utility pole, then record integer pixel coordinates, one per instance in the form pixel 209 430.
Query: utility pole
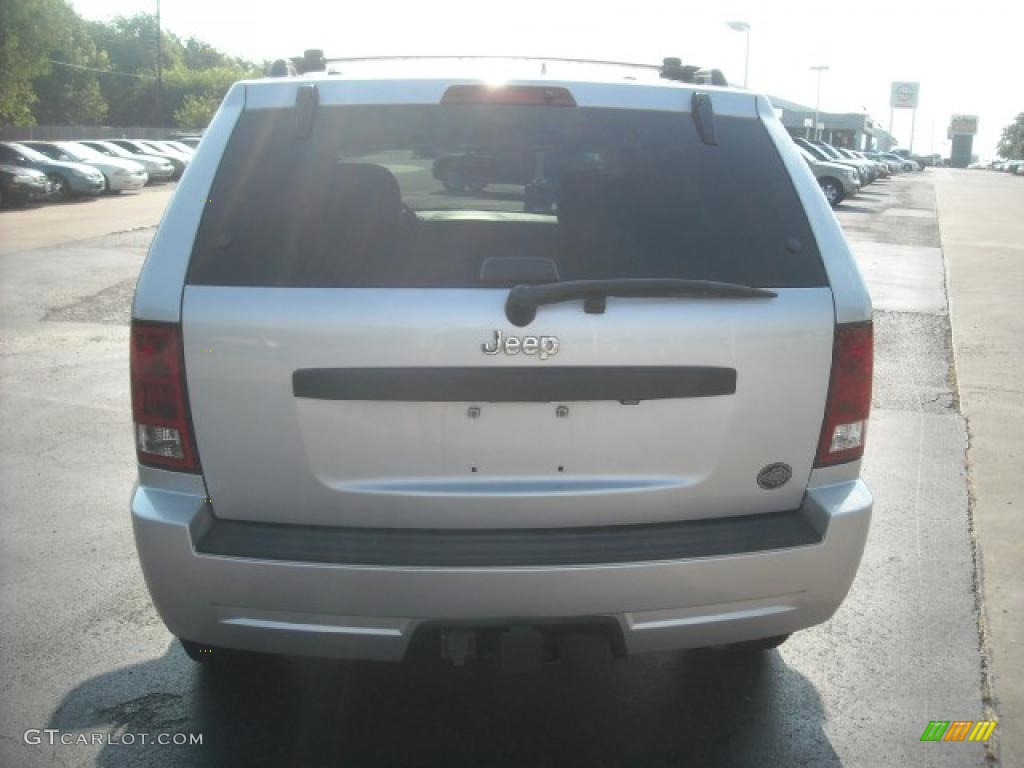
pixel 159 70
pixel 743 26
pixel 817 101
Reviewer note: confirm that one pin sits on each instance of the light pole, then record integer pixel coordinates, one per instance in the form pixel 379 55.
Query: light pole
pixel 742 26
pixel 817 100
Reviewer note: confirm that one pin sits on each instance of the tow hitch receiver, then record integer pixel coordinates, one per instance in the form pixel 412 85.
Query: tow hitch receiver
pixel 522 649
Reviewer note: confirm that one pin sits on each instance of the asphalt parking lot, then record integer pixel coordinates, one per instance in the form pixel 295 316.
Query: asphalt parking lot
pixel 81 649
pixel 37 225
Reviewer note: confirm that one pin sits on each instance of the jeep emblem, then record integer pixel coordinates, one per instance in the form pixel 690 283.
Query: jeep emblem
pixel 542 346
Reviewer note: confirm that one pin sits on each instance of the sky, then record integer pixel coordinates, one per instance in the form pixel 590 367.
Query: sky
pixel 965 56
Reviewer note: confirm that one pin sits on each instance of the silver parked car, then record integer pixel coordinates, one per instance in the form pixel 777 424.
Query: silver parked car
pixel 837 181
pixel 157 168
pixel 186 149
pixel 137 147
pixel 624 397
pixel 894 165
pixel 819 153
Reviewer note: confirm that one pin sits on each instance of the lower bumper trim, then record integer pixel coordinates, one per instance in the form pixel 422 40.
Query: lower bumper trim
pixel 400 547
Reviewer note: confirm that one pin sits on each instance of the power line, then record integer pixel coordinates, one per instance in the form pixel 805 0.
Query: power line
pixel 101 71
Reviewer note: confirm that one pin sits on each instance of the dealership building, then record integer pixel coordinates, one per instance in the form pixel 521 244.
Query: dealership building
pixel 853 130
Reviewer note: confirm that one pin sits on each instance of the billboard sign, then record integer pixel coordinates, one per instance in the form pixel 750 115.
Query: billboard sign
pixel 964 124
pixel 904 95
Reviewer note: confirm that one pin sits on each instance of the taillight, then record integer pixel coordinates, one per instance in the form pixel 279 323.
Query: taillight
pixel 163 429
pixel 849 396
pixel 537 95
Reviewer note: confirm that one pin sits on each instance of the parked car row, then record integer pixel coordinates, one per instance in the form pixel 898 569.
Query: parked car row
pixel 1015 167
pixel 59 170
pixel 922 161
pixel 842 172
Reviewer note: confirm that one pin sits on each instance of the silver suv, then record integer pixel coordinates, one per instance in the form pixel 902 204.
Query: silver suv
pixel 614 384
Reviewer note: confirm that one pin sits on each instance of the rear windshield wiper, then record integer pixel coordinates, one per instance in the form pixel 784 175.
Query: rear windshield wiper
pixel 523 300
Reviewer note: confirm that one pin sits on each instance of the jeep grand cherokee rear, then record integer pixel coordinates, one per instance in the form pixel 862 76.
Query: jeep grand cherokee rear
pixel 629 391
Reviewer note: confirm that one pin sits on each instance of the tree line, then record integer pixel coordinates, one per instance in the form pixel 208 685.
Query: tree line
pixel 57 68
pixel 1011 144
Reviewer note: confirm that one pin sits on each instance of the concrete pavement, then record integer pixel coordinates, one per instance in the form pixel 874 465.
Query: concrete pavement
pixel 980 218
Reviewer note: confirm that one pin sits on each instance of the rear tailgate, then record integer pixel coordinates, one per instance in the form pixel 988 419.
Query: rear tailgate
pixel 348 365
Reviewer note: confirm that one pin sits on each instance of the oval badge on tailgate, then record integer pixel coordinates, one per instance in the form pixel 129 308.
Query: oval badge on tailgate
pixel 774 476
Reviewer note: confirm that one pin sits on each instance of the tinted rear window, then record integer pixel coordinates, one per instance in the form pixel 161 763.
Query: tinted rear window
pixel 421 195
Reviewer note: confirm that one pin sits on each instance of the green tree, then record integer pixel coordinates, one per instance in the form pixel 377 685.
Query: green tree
pixel 56 67
pixel 193 95
pixel 195 112
pixel 28 29
pixel 70 92
pixel 199 54
pixel 1011 145
pixel 130 46
pixel 193 70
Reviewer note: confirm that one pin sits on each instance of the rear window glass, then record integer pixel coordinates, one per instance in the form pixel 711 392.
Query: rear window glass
pixel 421 195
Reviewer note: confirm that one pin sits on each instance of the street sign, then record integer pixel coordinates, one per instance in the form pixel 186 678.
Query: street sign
pixel 964 124
pixel 904 95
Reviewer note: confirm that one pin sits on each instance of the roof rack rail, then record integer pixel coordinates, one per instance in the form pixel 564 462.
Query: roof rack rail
pixel 313 60
pixel 673 69
pixel 490 57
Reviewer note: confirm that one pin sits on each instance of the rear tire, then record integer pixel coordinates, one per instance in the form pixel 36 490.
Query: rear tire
pixel 212 655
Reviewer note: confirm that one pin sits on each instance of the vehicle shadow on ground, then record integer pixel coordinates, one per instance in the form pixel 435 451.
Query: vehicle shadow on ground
pixel 35 204
pixel 855 208
pixel 664 710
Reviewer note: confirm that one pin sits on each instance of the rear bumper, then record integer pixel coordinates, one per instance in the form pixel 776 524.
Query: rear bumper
pixel 80 186
pixel 21 193
pixel 372 612
pixel 161 175
pixel 128 183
